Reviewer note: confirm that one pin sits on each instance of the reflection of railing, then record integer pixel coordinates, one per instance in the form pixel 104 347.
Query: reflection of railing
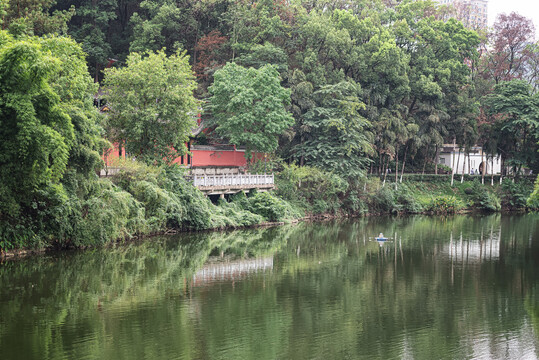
pixel 233 180
pixel 231 270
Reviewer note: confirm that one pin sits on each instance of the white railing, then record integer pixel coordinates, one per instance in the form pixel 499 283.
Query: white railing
pixel 232 180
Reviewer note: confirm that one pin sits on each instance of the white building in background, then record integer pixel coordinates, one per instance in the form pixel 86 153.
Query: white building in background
pixel 475 161
pixel 472 13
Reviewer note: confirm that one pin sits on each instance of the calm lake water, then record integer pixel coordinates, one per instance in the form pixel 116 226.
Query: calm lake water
pixel 460 287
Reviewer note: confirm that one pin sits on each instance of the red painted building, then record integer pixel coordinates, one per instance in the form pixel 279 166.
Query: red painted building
pixel 198 156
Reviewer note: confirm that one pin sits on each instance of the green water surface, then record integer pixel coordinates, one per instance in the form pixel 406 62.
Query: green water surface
pixel 463 287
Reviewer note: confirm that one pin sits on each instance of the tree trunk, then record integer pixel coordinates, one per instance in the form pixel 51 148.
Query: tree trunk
pixel 456 167
pixel 396 166
pixel 484 167
pixel 426 158
pixel 492 171
pixel 469 163
pixel 195 47
pixel 404 162
pixel 385 172
pixel 502 170
pixel 436 160
pixel 463 169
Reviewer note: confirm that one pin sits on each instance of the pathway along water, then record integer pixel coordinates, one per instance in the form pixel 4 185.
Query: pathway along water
pixel 455 287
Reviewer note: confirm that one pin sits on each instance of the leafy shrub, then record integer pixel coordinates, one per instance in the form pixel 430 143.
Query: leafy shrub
pixel 355 203
pixel 232 214
pixel 163 208
pixel 198 208
pixel 515 195
pixel 383 201
pixel 109 214
pixel 533 199
pixel 481 198
pixel 311 188
pixel 444 204
pixel 406 200
pixel 270 207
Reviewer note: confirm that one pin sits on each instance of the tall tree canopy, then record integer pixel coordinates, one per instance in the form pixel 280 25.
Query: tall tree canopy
pixel 45 110
pixel 421 75
pixel 248 106
pixel 34 17
pixel 152 107
pixel 339 138
pixel 515 112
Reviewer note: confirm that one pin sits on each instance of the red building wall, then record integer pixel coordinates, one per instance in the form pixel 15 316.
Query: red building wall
pixel 200 156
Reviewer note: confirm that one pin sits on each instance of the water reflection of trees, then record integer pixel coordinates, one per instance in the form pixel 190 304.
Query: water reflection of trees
pixel 100 284
pixel 436 289
pixel 462 278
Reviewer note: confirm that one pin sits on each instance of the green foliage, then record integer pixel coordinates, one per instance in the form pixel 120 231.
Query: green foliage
pixel 483 199
pixel 233 214
pixel 48 121
pixel 249 107
pixel 514 196
pixel 76 91
pixel 109 214
pixel 514 107
pixel 152 106
pixel 162 24
pixel 169 201
pixel 407 200
pixel 270 207
pixel 533 200
pixel 338 139
pixel 90 25
pixel 444 205
pixel 383 201
pixel 310 188
pixel 34 17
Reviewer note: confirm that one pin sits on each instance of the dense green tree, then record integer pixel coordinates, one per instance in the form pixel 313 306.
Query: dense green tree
pixel 50 139
pixel 339 138
pixel 76 90
pixel 36 132
pixel 34 17
pixel 90 26
pixel 248 107
pixel 163 24
pixel 515 109
pixel 438 72
pixel 152 107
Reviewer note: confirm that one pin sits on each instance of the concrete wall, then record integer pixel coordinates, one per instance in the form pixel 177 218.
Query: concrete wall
pixel 461 159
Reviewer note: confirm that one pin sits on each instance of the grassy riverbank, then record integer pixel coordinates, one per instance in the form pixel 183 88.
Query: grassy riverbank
pixel 316 192
pixel 143 200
